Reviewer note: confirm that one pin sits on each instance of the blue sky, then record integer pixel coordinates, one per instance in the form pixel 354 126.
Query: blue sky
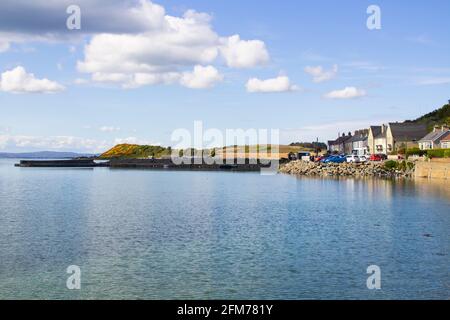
pixel 399 72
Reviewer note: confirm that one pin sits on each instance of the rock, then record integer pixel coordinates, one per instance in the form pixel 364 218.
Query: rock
pixel 344 169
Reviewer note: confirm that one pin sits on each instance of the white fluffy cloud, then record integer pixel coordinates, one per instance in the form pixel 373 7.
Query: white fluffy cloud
pixel 319 74
pixel 346 93
pixel 243 54
pixel 279 84
pixel 133 43
pixel 166 52
pixel 201 77
pixel 18 80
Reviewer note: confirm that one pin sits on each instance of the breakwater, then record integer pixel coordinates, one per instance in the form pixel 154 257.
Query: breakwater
pixel 168 164
pixel 371 169
pixel 74 163
pixel 157 164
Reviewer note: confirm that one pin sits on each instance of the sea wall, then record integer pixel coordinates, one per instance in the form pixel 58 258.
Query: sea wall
pixel 189 164
pixel 372 169
pixel 77 163
pixel 434 169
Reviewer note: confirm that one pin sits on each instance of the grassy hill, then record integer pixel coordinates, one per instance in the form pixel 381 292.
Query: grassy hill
pixel 437 117
pixel 133 151
pixel 45 155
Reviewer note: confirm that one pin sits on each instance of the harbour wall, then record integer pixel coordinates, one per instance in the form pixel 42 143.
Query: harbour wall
pixel 189 164
pixel 433 169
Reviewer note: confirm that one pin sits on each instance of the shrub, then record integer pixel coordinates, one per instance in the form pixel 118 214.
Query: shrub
pixel 447 153
pixel 391 164
pixel 437 153
pixel 416 152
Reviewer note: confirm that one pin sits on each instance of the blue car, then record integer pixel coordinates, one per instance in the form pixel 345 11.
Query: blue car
pixel 324 159
pixel 334 159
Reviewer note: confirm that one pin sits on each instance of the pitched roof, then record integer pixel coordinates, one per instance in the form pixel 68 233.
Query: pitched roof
pixel 446 136
pixel 360 137
pixel 434 136
pixel 339 140
pixel 408 131
pixel 376 131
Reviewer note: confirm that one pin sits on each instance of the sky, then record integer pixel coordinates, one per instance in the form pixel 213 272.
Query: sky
pixel 136 71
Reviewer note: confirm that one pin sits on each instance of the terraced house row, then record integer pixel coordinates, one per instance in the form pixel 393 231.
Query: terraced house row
pixel 390 138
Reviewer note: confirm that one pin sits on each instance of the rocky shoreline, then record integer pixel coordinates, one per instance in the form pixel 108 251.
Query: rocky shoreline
pixel 371 169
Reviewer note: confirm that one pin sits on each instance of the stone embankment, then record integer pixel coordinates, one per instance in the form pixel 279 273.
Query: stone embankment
pixel 371 169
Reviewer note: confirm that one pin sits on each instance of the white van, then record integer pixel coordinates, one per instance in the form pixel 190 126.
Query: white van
pixel 352 158
pixel 363 159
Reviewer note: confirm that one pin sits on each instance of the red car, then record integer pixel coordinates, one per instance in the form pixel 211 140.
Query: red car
pixel 376 157
pixel 320 158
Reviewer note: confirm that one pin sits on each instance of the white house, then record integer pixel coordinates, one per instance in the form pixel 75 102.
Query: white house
pixel 433 139
pixel 445 141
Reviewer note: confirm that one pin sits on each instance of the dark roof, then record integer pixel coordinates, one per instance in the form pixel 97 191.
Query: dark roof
pixel 446 137
pixel 408 131
pixel 376 131
pixel 339 140
pixel 434 136
pixel 358 138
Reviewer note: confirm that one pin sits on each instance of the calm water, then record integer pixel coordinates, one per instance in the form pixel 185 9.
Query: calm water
pixel 217 235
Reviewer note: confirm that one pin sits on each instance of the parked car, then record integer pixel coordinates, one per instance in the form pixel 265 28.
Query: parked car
pixel 363 159
pixel 292 156
pixel 324 158
pixel 339 159
pixel 335 159
pixel 352 158
pixel 376 157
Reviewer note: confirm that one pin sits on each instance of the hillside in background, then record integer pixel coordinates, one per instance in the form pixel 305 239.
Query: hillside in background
pixel 130 151
pixel 133 151
pixel 437 117
pixel 45 155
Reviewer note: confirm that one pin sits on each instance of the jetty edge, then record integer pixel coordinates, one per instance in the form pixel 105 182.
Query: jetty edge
pixel 70 163
pixel 156 164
